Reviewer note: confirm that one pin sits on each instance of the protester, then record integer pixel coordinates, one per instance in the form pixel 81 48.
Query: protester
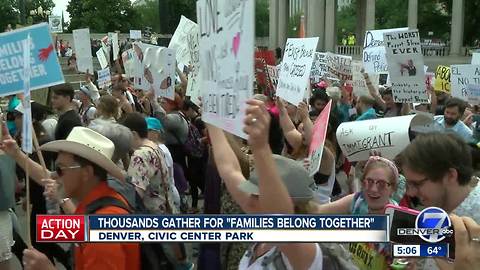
pixel 451 119
pixel 62 102
pixel 83 162
pixel 107 110
pixel 87 109
pixel 7 202
pixel 365 108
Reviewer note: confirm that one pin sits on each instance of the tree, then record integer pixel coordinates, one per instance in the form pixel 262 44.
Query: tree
pixel 261 18
pixel 34 5
pixel 171 11
pixel 102 16
pixel 9 14
pixel 471 19
pixel 148 15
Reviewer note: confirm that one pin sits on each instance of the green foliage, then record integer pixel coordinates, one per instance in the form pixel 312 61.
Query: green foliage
pixel 8 14
pixel 293 25
pixel 34 5
pixel 262 18
pixel 172 10
pixel 148 15
pixel 102 16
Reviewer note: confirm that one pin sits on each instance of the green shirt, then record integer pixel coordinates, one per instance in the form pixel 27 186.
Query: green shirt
pixel 7 182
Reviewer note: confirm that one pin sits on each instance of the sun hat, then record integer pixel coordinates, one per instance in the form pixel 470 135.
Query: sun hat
pixel 90 145
pixel 154 124
pixel 295 177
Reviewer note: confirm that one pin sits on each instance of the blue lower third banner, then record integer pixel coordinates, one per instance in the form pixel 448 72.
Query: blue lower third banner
pixel 238 228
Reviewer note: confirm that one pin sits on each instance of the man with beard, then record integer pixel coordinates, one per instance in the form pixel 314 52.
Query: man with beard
pixel 450 120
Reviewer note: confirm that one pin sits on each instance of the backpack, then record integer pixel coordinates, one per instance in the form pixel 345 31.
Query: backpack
pixel 192 146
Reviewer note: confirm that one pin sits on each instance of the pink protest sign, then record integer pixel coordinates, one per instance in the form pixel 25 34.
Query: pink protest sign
pixel 318 139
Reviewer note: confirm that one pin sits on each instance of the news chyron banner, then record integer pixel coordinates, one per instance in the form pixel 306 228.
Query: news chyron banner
pixel 212 228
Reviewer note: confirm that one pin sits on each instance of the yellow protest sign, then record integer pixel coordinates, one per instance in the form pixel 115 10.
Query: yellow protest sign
pixel 442 79
pixel 369 256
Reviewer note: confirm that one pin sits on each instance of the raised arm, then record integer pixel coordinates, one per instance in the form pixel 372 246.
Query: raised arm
pixel 374 93
pixel 307 123
pixel 292 135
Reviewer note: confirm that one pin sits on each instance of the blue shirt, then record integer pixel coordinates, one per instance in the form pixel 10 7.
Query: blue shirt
pixel 368 114
pixel 459 128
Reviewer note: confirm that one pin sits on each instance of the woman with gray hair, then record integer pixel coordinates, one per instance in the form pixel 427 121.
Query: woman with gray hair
pixel 121 138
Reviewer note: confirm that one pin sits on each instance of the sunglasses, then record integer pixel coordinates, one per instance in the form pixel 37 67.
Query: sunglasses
pixel 381 184
pixel 60 170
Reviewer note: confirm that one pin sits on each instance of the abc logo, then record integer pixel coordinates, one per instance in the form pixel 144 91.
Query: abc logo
pixel 435 222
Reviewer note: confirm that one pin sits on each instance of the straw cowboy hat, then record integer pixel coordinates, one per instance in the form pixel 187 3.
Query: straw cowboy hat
pixel 90 145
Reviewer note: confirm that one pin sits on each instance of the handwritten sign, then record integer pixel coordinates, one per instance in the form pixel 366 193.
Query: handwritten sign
pixel 102 59
pixel 194 76
pixel 358 81
pixel 226 58
pixel 273 75
pixel 319 67
pixel 461 77
pixel 116 49
pixel 387 135
pixel 405 66
pixel 476 58
pixel 179 40
pixel 318 140
pixel 374 59
pixel 45 70
pixel 104 78
pixel 339 66
pixel 295 69
pixel 442 79
pixel 83 49
pixel 136 34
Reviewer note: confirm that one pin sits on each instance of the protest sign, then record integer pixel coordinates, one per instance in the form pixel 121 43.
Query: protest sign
pixel 358 83
pixel 429 79
pixel 155 67
pixel 102 59
pixel 226 59
pixel 194 76
pixel 339 67
pixel 442 79
pixel 261 74
pixel 461 77
pixel 473 92
pixel 318 140
pixel 374 60
pixel 476 58
pixel 405 66
pixel 273 75
pixel 45 70
pixel 135 34
pixel 115 47
pixel 104 78
pixel 83 49
pixel 386 135
pixel 27 145
pixel 319 67
pixel 179 40
pixel 128 58
pixel 294 75
pixel 55 24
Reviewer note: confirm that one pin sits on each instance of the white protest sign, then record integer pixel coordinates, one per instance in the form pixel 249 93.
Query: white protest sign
pixel 476 58
pixel 128 59
pixel 55 24
pixel 273 74
pixel 83 49
pixel 227 61
pixel 461 76
pixel 319 67
pixel 104 78
pixel 405 66
pixel 374 60
pixel 194 76
pixel 135 34
pixel 358 83
pixel 318 140
pixel 115 46
pixel 179 40
pixel 389 136
pixel 339 66
pixel 473 92
pixel 296 66
pixel 102 59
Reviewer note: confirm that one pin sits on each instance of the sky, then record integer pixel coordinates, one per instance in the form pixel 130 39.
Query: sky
pixel 61 5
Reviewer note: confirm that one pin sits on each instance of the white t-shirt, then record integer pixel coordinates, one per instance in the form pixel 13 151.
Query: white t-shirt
pixel 317 263
pixel 169 163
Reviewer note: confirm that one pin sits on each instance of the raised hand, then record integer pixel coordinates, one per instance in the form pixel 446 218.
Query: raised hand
pixel 51 190
pixel 257 124
pixel 303 111
pixel 7 143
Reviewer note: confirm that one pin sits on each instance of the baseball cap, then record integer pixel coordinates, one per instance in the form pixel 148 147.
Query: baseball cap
pixel 154 124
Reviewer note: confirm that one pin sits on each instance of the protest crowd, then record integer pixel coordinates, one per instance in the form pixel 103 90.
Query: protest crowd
pixel 138 143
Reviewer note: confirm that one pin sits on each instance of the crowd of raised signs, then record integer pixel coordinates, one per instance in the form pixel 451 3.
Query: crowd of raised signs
pixel 153 154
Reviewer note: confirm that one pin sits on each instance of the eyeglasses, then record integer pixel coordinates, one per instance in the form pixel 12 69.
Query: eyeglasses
pixel 416 184
pixel 381 184
pixel 60 170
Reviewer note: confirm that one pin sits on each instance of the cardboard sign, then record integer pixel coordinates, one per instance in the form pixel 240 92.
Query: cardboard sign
pixel 339 67
pixel 295 69
pixel 405 66
pixel 319 67
pixel 55 24
pixel 386 135
pixel 104 78
pixel 135 34
pixel 374 59
pixel 442 79
pixel 476 58
pixel 194 76
pixel 226 59
pixel 45 70
pixel 155 67
pixel 83 49
pixel 318 139
pixel 116 49
pixel 462 76
pixel 102 59
pixel 179 40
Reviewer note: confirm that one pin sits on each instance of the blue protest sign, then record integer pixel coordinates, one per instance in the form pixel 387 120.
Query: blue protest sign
pixel 45 70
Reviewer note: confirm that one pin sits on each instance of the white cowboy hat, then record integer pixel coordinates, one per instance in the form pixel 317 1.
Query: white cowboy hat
pixel 90 145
